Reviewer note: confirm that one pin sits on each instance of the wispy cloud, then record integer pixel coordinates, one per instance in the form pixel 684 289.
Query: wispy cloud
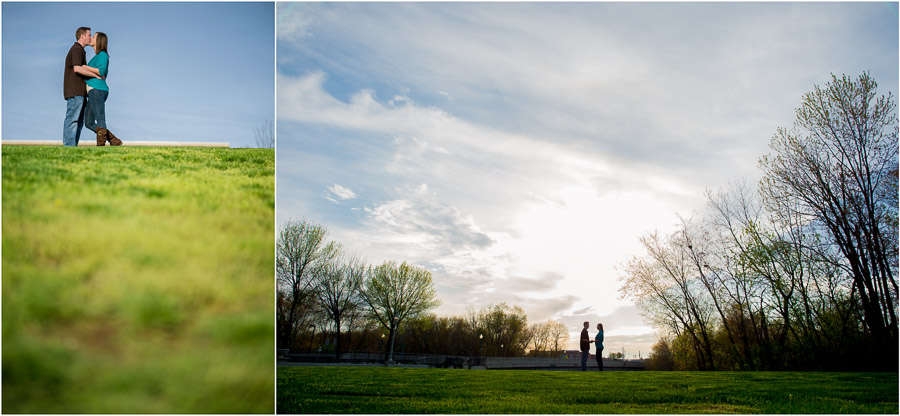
pixel 440 226
pixel 293 24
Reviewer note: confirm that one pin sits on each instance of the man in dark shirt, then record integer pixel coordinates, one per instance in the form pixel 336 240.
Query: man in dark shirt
pixel 585 346
pixel 74 89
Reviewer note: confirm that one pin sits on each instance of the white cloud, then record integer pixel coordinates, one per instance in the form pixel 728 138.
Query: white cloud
pixel 437 228
pixel 340 192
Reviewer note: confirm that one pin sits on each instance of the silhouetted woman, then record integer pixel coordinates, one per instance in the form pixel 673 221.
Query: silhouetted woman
pixel 599 341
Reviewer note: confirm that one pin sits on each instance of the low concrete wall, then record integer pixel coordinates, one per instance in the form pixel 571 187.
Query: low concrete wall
pixel 497 363
pixel 443 361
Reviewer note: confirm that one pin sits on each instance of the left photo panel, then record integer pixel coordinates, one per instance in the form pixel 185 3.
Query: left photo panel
pixel 138 207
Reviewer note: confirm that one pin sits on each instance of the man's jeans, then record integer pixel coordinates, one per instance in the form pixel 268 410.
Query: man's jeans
pixel 74 120
pixel 584 358
pixel 95 110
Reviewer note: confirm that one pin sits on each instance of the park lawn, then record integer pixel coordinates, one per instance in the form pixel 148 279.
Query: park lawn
pixel 138 280
pixel 417 390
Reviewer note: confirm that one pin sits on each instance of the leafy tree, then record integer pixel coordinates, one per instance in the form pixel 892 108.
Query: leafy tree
pixel 505 330
pixel 447 335
pixel 661 359
pixel 394 293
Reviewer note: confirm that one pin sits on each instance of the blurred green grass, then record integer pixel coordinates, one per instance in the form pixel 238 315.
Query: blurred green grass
pixel 379 390
pixel 138 280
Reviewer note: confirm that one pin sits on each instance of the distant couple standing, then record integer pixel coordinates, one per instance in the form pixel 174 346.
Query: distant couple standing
pixel 85 89
pixel 586 346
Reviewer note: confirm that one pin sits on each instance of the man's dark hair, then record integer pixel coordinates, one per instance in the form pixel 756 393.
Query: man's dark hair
pixel 81 31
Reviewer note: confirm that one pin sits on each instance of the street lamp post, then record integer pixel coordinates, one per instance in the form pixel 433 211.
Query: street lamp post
pixel 481 344
pixel 313 328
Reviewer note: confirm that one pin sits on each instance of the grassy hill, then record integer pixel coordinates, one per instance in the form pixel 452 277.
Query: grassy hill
pixel 138 280
pixel 416 390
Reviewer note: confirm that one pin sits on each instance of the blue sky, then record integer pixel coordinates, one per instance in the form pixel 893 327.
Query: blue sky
pixel 519 151
pixel 178 71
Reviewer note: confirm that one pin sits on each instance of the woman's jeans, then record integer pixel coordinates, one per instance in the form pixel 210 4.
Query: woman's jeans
pixel 95 114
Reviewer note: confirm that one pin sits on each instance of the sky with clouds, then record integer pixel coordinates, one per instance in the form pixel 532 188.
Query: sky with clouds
pixel 201 72
pixel 519 150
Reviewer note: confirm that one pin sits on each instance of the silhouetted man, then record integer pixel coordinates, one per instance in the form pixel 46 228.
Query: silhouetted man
pixel 585 346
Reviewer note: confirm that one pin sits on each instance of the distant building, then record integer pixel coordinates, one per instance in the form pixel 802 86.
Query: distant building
pixel 574 354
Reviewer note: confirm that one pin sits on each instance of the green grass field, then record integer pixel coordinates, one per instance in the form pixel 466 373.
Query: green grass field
pixel 138 280
pixel 414 390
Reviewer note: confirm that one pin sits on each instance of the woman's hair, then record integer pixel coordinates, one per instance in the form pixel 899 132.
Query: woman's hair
pixel 102 41
pixel 601 326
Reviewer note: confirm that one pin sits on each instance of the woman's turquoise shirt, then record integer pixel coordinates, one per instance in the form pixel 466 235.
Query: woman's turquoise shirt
pixel 599 337
pixel 101 62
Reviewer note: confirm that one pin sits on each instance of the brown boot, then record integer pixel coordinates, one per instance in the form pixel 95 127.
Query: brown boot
pixel 102 136
pixel 113 140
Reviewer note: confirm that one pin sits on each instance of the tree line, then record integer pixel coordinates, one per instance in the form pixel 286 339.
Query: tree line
pixel 798 273
pixel 328 297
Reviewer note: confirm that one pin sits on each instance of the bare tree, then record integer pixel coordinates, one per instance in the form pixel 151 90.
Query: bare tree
pixel 804 278
pixel 302 254
pixel 663 283
pixel 769 266
pixel 713 272
pixel 336 287
pixel 394 293
pixel 836 168
pixel 559 336
pixel 265 135
pixel 547 338
pixel 740 268
pixel 540 338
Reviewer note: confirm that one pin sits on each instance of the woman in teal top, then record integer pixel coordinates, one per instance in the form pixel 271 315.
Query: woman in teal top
pixel 599 341
pixel 98 91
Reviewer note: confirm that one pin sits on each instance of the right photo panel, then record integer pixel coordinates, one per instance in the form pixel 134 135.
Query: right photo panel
pixel 557 208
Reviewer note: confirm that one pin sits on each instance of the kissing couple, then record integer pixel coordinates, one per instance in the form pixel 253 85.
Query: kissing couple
pixel 85 89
